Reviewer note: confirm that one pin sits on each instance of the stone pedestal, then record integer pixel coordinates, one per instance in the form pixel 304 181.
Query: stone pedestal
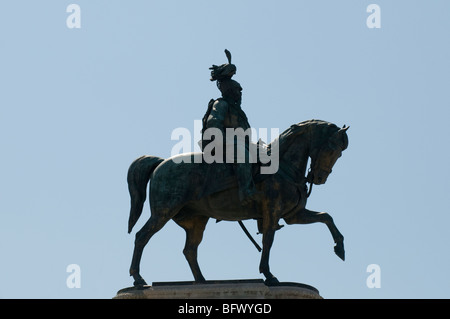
pixel 222 289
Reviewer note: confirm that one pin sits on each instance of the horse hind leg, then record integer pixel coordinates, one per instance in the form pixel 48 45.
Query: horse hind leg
pixel 194 227
pixel 151 227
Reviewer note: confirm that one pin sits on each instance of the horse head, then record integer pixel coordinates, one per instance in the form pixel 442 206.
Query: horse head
pixel 324 159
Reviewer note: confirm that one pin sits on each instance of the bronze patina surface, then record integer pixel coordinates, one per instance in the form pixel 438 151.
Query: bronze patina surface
pixel 192 191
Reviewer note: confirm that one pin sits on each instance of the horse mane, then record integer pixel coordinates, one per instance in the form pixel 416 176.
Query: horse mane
pixel 287 137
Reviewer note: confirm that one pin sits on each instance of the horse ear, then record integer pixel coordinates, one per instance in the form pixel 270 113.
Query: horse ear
pixel 343 135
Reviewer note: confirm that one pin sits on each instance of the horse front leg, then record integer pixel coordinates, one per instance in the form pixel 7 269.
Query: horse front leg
pixel 268 236
pixel 305 216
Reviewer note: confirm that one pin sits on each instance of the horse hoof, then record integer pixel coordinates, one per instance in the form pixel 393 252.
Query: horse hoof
pixel 139 282
pixel 273 281
pixel 339 251
pixel 200 282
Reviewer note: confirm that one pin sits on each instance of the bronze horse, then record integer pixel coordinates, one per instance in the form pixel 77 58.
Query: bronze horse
pixel 177 191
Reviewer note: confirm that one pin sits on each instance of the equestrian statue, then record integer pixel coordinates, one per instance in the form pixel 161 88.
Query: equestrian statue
pixel 190 189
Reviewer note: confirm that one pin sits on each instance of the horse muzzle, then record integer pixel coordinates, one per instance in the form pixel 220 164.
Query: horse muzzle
pixel 318 177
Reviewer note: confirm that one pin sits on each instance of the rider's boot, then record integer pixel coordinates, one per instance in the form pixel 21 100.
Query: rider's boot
pixel 247 189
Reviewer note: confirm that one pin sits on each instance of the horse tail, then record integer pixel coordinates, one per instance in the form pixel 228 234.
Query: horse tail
pixel 138 177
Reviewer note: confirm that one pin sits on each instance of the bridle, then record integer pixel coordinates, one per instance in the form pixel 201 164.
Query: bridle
pixel 312 168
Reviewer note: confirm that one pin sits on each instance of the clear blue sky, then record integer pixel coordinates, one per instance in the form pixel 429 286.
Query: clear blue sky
pixel 77 106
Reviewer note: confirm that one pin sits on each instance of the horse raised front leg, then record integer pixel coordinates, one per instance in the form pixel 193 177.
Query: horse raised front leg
pixel 306 216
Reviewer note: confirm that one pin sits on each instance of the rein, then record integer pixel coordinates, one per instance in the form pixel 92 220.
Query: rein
pixel 309 177
pixel 288 171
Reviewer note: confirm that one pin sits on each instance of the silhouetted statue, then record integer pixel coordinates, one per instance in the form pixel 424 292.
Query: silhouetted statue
pixel 190 190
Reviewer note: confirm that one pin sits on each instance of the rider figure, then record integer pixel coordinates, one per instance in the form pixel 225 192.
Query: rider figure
pixel 226 113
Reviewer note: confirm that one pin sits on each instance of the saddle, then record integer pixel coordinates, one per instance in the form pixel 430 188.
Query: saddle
pixel 221 176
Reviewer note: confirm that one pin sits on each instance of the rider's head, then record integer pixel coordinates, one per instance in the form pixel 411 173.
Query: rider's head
pixel 230 89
